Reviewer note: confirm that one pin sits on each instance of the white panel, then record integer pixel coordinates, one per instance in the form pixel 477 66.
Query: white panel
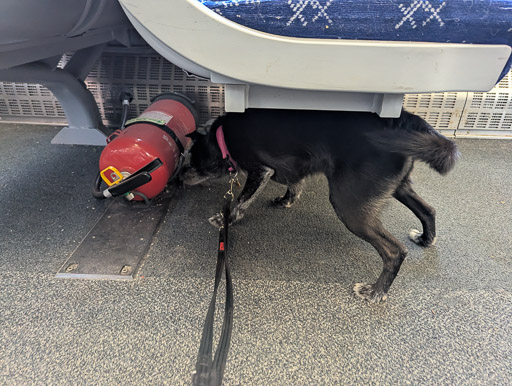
pixel 441 110
pixel 489 114
pixel 198 35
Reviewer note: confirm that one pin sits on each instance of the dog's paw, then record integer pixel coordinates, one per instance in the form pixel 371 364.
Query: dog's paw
pixel 367 292
pixel 282 202
pixel 217 220
pixel 417 237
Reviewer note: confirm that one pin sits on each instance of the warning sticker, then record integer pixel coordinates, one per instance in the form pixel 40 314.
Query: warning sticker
pixel 157 116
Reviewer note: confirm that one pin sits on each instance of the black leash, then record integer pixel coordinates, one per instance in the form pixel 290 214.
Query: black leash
pixel 208 372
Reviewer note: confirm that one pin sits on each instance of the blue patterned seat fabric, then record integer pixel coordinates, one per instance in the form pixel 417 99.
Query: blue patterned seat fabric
pixel 448 21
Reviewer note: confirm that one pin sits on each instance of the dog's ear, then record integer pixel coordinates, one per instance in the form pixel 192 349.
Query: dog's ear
pixel 193 136
pixel 201 130
pixel 208 126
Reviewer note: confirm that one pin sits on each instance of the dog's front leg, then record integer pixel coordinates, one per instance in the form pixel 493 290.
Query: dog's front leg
pixel 255 183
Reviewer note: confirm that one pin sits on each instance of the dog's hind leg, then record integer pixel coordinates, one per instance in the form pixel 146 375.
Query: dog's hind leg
pixel 292 194
pixel 358 205
pixel 426 214
pixel 255 183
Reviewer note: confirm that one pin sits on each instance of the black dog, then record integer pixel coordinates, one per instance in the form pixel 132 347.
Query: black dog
pixel 366 159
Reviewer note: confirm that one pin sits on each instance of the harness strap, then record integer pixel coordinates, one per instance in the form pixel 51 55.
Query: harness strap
pixel 224 149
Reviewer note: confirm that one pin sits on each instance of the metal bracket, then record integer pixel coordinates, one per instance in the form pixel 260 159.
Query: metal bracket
pixel 83 116
pixel 84 60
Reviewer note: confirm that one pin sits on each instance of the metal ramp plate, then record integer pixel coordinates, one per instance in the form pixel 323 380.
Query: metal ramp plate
pixel 117 244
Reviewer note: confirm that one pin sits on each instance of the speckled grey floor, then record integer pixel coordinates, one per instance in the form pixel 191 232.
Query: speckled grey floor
pixel 448 319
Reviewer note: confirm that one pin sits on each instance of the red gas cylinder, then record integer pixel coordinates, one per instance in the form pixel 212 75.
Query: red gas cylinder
pixel 157 134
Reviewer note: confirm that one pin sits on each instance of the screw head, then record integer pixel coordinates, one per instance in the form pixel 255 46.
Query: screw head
pixel 126 270
pixel 72 267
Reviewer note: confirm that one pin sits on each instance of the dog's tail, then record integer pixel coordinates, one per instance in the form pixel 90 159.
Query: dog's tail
pixel 413 137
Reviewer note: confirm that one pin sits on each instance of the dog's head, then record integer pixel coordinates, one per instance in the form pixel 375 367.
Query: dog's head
pixel 205 159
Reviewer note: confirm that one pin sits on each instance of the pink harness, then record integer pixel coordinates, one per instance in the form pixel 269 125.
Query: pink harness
pixel 224 149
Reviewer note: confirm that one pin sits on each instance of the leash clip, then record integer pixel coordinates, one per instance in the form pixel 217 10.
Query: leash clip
pixel 233 178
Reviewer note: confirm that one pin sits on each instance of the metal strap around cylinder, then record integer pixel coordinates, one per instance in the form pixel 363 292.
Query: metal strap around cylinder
pixel 163 127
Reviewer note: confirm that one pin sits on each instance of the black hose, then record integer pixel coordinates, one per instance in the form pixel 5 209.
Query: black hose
pixel 126 98
pixel 144 197
pixel 96 188
pixel 124 115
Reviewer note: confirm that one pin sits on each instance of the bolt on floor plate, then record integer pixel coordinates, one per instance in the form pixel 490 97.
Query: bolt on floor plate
pixel 115 247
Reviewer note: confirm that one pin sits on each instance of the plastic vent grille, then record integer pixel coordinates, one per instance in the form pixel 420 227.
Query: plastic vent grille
pixel 489 114
pixel 441 110
pixel 506 82
pixel 146 75
pixel 29 100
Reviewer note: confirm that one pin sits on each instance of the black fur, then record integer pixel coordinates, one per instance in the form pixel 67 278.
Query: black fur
pixel 365 158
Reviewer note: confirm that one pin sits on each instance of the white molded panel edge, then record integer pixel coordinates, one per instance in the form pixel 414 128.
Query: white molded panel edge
pixel 236 98
pixel 206 40
pixel 241 97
